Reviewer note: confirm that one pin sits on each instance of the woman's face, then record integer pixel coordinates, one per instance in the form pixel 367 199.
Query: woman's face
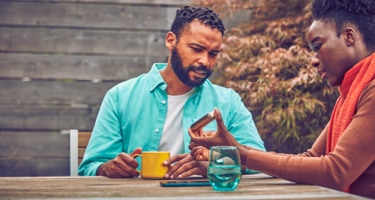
pixel 333 54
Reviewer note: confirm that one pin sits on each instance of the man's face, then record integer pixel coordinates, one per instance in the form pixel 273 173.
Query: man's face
pixel 183 72
pixel 332 54
pixel 195 54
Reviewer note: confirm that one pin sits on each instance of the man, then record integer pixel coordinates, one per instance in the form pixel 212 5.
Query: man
pixel 343 156
pixel 153 112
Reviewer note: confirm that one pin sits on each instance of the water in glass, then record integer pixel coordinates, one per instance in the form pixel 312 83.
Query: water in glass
pixel 224 170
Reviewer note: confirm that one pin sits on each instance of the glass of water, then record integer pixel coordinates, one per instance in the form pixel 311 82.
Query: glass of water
pixel 224 169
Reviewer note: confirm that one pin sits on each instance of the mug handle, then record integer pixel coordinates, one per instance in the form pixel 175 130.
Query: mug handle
pixel 135 156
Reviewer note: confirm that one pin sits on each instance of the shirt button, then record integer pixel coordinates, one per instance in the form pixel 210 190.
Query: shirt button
pixel 163 102
pixel 157 130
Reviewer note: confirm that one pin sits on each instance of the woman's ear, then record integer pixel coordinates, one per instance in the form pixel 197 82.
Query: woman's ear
pixel 170 40
pixel 350 35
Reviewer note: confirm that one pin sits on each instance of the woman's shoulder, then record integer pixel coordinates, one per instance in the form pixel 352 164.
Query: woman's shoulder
pixel 368 95
pixel 370 88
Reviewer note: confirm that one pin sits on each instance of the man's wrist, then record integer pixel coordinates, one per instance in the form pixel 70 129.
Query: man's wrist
pixel 100 170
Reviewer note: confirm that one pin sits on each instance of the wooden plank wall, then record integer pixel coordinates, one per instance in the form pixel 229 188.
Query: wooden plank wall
pixel 57 60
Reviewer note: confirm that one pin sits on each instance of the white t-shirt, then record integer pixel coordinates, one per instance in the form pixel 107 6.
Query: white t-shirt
pixel 172 139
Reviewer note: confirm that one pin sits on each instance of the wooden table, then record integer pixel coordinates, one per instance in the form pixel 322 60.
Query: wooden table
pixel 257 186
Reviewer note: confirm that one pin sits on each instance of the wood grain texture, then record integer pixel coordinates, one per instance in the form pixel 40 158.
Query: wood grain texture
pixel 39 117
pixel 81 42
pixel 57 60
pixel 128 2
pixel 86 15
pixel 83 140
pixel 38 153
pixel 53 92
pixel 258 186
pixel 75 67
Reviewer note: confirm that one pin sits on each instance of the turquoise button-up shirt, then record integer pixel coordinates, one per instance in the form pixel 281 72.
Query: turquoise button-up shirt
pixel 133 113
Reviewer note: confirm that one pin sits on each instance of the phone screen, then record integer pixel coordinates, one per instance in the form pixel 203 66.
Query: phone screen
pixel 184 183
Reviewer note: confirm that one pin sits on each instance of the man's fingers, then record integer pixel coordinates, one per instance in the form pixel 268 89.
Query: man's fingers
pixel 127 160
pixel 175 158
pixel 114 169
pixel 136 151
pixel 182 168
pixel 176 162
pixel 126 165
pixel 190 168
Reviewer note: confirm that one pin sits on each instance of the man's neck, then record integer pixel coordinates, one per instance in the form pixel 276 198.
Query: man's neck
pixel 174 85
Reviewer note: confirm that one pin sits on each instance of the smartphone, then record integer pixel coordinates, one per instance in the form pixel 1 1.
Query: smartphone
pixel 203 121
pixel 184 183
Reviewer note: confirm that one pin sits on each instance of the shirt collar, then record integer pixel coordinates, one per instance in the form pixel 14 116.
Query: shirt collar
pixel 156 80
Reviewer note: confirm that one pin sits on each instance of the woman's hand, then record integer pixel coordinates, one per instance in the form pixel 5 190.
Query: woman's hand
pixel 221 137
pixel 200 153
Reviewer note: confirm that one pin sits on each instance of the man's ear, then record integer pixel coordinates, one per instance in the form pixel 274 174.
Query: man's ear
pixel 350 35
pixel 170 40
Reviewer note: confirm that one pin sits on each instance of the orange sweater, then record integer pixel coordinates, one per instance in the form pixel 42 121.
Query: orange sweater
pixel 350 163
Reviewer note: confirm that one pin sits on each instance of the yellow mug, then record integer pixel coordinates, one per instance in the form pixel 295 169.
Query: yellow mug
pixel 152 164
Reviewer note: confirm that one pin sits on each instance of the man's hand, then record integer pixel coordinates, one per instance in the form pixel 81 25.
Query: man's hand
pixel 183 165
pixel 122 165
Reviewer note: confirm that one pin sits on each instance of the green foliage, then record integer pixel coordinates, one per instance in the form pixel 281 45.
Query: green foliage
pixel 267 61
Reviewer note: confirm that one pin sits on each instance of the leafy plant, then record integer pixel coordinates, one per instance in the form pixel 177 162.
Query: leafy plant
pixel 267 61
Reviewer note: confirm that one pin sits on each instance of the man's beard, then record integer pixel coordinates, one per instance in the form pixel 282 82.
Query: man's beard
pixel 183 73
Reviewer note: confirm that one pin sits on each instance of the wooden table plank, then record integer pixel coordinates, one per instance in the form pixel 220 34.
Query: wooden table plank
pixel 251 187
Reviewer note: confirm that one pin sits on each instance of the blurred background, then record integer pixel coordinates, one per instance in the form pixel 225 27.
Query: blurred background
pixel 59 57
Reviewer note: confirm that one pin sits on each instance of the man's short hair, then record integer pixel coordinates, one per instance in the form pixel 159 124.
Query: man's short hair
pixel 186 14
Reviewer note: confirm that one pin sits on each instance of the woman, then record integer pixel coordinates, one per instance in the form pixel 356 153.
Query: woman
pixel 343 156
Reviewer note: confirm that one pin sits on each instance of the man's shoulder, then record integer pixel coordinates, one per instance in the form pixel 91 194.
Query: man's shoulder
pixel 147 79
pixel 130 83
pixel 209 86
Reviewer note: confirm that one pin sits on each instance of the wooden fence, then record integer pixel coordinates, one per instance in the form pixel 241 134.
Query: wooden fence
pixel 57 60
